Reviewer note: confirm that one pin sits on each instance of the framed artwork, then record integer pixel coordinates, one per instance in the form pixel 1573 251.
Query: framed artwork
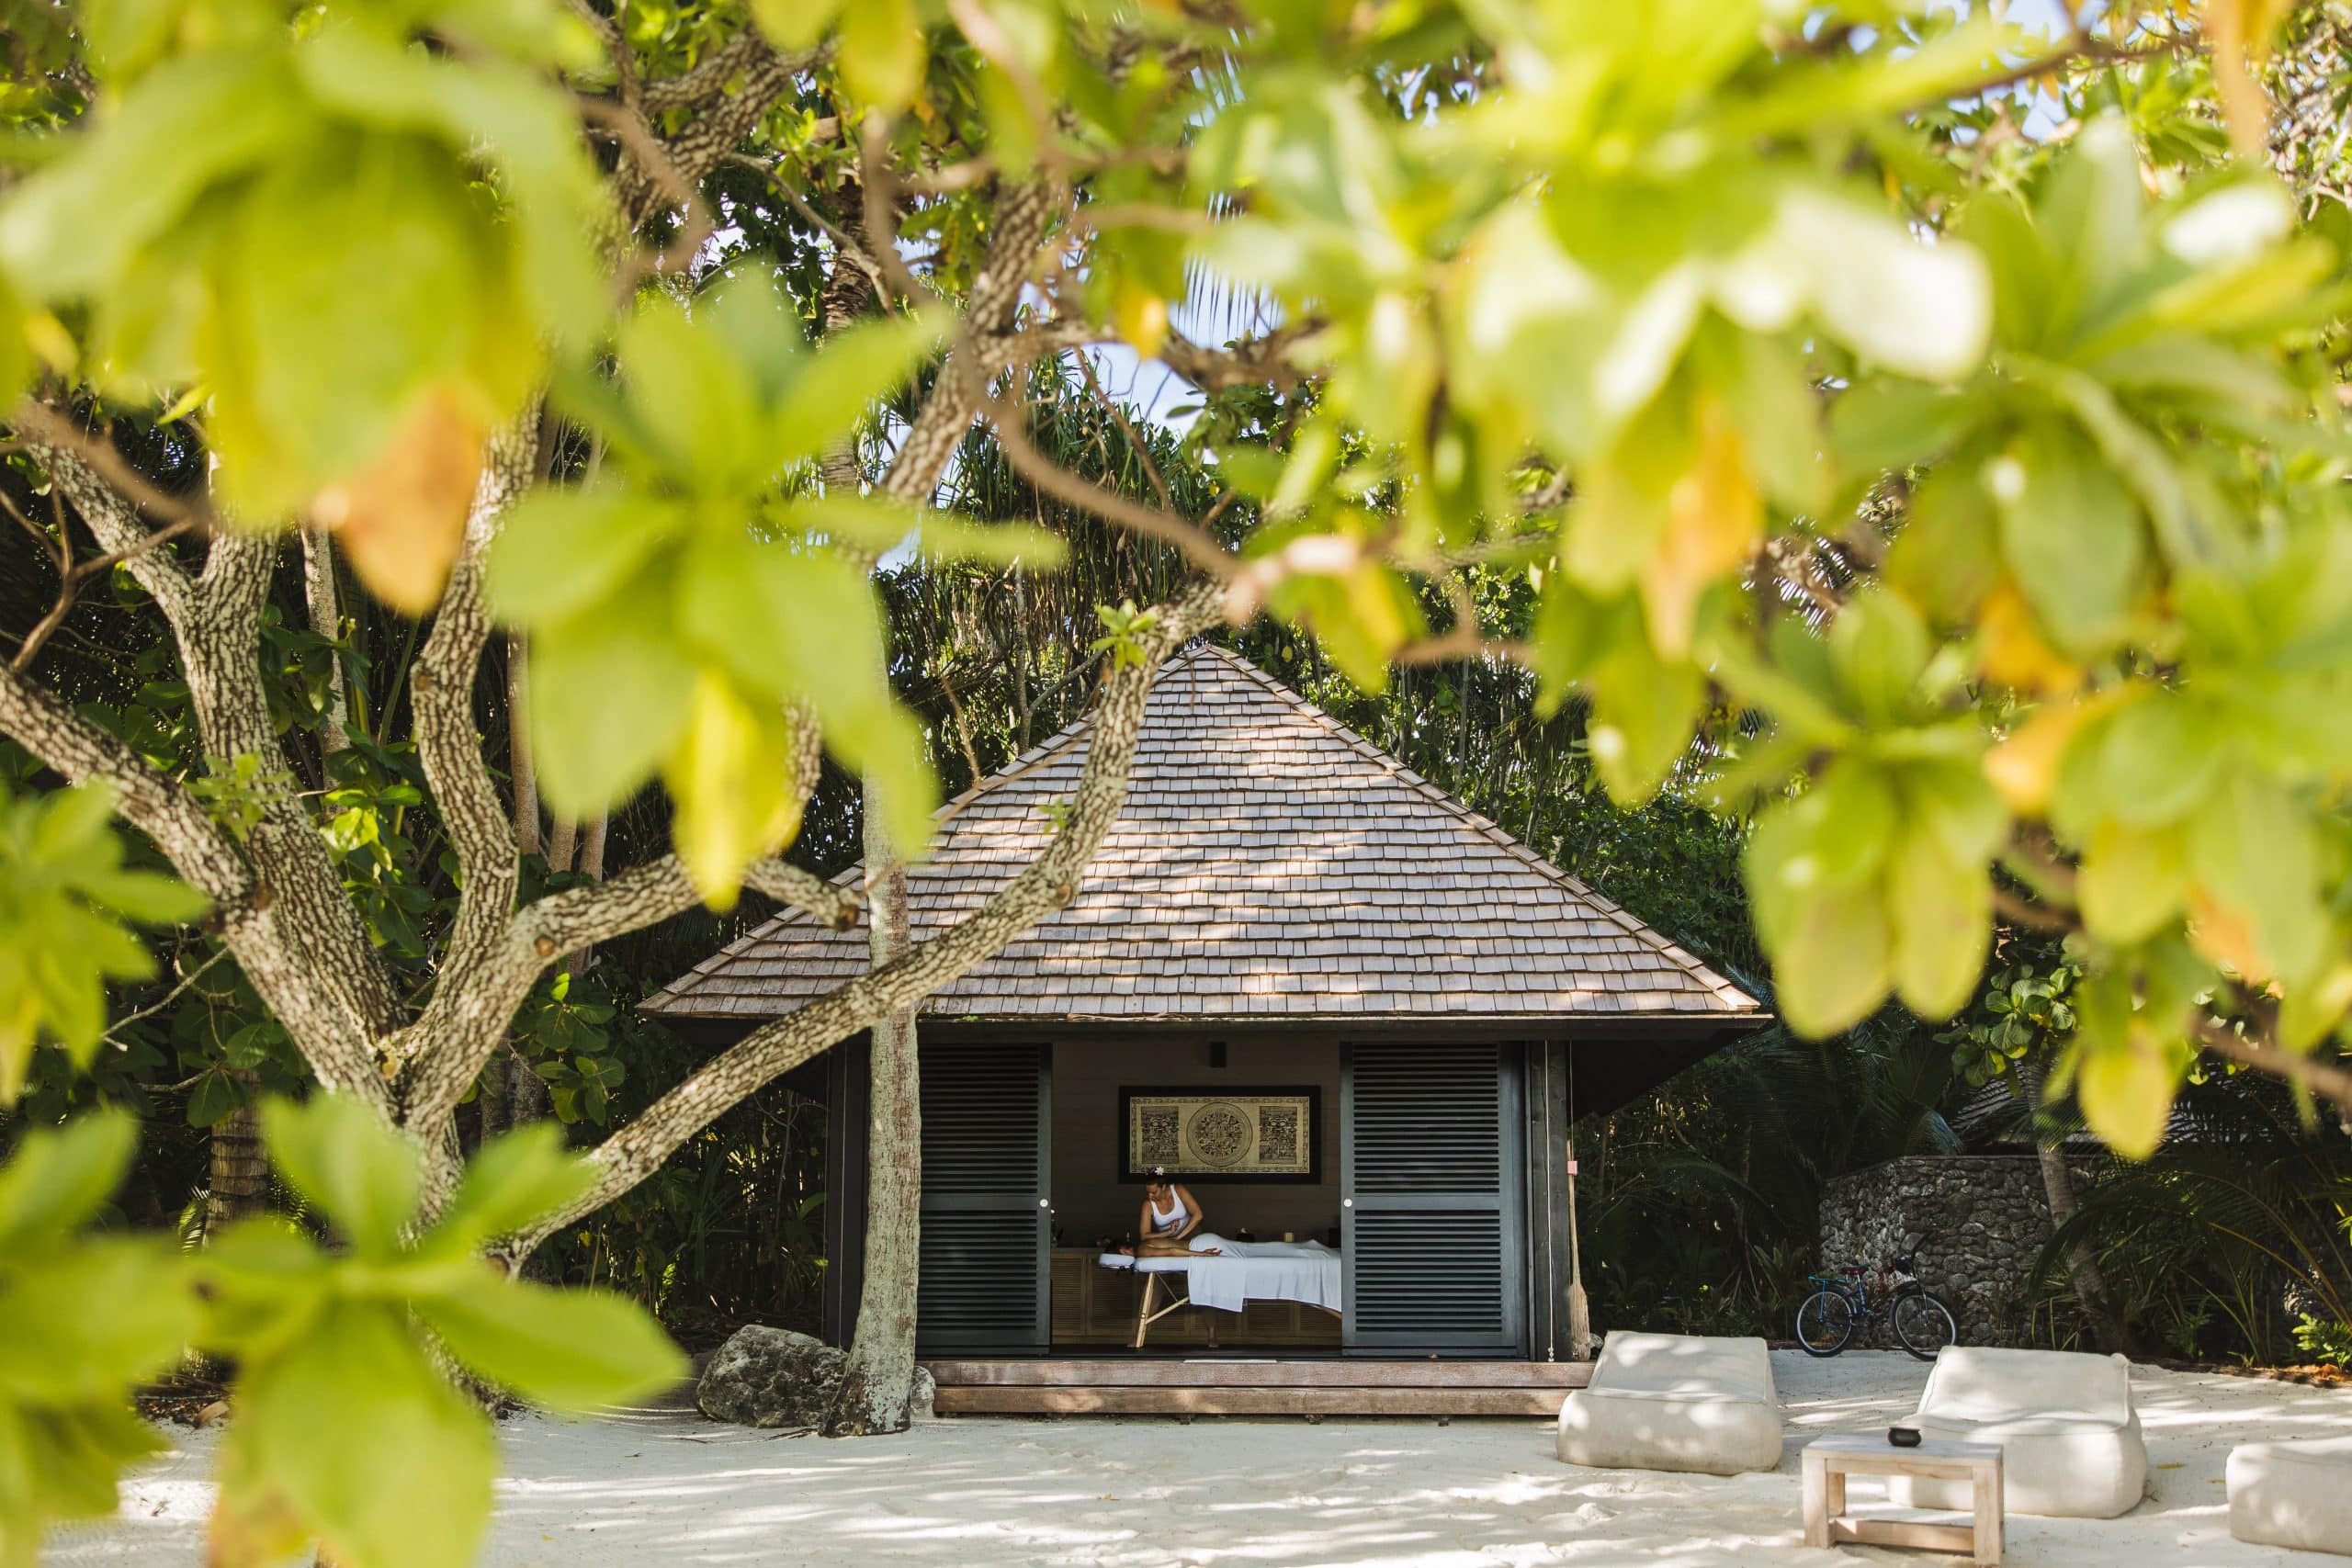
pixel 1206 1133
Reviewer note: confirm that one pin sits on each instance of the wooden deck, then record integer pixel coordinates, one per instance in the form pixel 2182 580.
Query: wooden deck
pixel 1214 1387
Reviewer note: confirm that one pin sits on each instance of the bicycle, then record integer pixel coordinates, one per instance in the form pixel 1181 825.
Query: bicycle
pixel 1842 1302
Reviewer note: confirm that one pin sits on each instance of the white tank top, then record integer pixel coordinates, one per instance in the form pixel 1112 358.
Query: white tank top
pixel 1168 1219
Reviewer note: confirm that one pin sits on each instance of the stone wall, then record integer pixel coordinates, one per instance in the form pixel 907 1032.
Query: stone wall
pixel 1986 1217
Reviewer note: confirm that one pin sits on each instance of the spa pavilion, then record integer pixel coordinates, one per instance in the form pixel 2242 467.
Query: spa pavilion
pixel 1344 1009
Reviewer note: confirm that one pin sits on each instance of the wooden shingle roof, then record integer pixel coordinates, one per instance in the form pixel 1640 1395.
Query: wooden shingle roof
pixel 1270 866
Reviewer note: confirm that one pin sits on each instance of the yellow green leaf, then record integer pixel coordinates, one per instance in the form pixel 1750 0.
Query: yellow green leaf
pixel 731 776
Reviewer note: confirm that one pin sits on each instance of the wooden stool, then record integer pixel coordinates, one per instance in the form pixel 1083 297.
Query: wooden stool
pixel 1829 1460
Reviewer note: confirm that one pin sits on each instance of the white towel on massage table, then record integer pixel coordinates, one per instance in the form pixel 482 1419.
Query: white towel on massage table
pixel 1241 1272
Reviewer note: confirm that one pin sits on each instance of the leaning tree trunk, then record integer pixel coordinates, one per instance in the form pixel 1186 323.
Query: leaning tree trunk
pixel 877 1386
pixel 2083 1274
pixel 2082 1269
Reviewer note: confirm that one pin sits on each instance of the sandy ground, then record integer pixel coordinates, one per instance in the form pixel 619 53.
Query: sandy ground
pixel 664 1486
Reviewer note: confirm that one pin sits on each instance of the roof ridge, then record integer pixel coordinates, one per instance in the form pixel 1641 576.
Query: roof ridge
pixel 1495 833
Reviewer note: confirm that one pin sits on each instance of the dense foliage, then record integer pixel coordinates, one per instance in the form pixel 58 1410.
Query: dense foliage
pixel 1900 454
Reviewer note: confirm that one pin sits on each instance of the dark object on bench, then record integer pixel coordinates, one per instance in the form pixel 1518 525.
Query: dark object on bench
pixel 1904 1436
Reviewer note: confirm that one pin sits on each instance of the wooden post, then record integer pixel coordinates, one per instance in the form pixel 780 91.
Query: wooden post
pixel 1579 1310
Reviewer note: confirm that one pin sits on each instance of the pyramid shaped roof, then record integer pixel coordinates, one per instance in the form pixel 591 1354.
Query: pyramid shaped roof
pixel 1269 866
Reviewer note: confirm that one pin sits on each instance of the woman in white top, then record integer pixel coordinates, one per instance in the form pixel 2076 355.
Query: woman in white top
pixel 1168 1217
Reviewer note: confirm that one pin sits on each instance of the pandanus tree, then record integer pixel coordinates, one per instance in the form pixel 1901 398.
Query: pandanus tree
pixel 1941 420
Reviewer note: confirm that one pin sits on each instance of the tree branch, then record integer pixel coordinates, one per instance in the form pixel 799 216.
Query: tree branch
pixel 1194 545
pixel 1259 361
pixel 2323 1079
pixel 456 1025
pixel 1044 885
pixel 246 910
pixel 112 519
pixel 1024 215
pixel 706 77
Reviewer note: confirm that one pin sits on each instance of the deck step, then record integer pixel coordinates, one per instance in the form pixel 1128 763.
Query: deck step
pixel 1211 1387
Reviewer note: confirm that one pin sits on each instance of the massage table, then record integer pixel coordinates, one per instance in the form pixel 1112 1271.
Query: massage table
pixel 1228 1275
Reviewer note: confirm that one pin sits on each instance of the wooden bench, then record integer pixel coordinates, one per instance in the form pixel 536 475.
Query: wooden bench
pixel 1828 1461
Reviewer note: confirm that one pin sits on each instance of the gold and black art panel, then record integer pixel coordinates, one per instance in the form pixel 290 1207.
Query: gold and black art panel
pixel 1221 1134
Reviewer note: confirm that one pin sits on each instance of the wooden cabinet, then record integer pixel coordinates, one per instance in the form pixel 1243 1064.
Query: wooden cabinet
pixel 1094 1305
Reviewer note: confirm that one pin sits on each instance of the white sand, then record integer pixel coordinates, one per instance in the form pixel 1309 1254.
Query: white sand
pixel 663 1486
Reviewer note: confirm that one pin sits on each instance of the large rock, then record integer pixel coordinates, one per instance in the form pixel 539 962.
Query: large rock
pixel 771 1377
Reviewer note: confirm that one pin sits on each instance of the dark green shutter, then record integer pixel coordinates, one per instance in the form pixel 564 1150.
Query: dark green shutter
pixel 986 1172
pixel 1430 1172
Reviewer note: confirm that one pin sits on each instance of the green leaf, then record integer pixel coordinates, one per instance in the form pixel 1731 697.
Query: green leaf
pixel 1763 383
pixel 609 697
pixel 342 1155
pixel 802 623
pixel 732 777
pixel 266 1282
pixel 74 225
pixel 83 1324
pixel 513 1180
pixel 569 1349
pixel 2132 883
pixel 1833 963
pixel 58 1465
pixel 694 397
pixel 2254 859
pixel 1942 907
pixel 352 1435
pixel 560 551
pixel 1923 309
pixel 144 897
pixel 57 1179
pixel 855 368
pixel 2089 213
pixel 883 50
pixel 1948 556
pixel 1642 711
pixel 2123 1070
pixel 2158 756
pixel 1890 424
pixel 2071 532
pixel 1879 646
pixel 795 25
pixel 215 1099
pixel 313 379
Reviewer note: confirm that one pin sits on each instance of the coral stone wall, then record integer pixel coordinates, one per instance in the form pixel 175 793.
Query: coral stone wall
pixel 1986 1217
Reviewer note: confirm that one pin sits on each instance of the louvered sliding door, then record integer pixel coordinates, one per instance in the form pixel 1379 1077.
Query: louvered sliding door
pixel 986 1174
pixel 1430 1182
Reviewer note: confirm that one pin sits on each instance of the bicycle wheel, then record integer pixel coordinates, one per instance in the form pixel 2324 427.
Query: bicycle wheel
pixel 1824 1322
pixel 1923 1325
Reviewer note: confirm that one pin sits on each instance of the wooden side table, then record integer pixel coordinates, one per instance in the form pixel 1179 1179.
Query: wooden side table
pixel 1829 1460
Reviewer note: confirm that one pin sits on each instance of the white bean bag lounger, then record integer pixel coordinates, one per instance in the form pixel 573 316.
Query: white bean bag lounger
pixel 1675 1402
pixel 2070 1440
pixel 2297 1494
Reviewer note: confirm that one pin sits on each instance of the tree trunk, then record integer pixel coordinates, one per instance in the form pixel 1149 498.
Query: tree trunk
pixel 2082 1269
pixel 494 1099
pixel 520 767
pixel 238 1184
pixel 592 846
pixel 562 842
pixel 326 620
pixel 877 1387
